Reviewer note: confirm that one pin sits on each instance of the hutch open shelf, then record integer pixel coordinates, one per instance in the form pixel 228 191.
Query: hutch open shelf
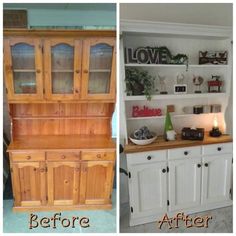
pixel 61 93
pixel 181 175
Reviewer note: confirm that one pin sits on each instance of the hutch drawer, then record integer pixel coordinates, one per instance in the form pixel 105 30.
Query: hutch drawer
pixel 217 149
pixel 27 156
pixel 97 155
pixel 147 157
pixel 63 156
pixel 180 153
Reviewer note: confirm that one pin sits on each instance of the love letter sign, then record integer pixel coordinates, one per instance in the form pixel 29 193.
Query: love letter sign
pixel 145 111
pixel 146 55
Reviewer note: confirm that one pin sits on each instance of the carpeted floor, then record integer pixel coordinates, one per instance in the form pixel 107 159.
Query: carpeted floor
pixel 103 221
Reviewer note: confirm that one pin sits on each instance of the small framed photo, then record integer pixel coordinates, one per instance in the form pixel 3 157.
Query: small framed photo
pixel 180 88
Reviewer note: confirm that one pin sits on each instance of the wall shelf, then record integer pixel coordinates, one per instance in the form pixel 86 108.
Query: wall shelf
pixel 177 66
pixel 175 96
pixel 163 116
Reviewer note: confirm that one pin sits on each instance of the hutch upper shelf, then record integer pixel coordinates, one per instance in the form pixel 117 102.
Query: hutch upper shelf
pixel 78 66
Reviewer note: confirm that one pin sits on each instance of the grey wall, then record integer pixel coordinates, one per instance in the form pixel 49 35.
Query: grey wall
pixel 188 13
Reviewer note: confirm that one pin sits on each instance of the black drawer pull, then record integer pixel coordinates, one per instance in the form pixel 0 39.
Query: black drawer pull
pixel 149 158
pixel 199 165
pixel 219 149
pixel 206 164
pixel 163 170
pixel 185 153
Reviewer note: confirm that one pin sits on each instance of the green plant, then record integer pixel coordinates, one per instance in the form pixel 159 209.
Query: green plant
pixel 139 82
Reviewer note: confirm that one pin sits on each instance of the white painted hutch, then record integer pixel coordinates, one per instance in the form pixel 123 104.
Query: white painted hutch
pixel 177 176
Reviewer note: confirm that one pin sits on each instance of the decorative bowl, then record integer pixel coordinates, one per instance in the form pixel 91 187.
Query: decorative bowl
pixel 143 141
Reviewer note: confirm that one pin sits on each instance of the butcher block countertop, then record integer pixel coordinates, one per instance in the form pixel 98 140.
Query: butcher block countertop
pixel 61 142
pixel 160 143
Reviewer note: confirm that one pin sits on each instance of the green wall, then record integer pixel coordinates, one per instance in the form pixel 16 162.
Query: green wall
pixel 71 15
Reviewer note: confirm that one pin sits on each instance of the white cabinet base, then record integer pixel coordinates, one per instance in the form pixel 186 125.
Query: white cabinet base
pixel 155 218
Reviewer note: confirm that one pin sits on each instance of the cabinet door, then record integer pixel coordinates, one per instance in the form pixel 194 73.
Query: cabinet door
pixel 216 178
pixel 99 63
pixel 148 189
pixel 184 183
pixel 96 182
pixel 62 68
pixel 29 183
pixel 63 183
pixel 23 69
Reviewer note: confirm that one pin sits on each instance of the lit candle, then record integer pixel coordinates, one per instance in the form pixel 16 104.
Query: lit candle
pixel 215 123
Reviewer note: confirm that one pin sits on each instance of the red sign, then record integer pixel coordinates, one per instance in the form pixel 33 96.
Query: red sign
pixel 145 111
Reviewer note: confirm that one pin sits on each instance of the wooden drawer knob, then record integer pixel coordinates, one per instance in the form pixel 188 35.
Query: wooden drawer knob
pixel 77 71
pixel 28 157
pixel 63 157
pixel 38 71
pixel 99 156
pixel 86 71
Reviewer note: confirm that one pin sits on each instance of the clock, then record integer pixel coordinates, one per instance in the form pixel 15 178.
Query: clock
pixel 180 88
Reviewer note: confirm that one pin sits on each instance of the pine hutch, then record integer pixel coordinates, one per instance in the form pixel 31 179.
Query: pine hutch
pixel 60 86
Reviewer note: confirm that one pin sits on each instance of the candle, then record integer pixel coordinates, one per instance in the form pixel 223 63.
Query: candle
pixel 215 123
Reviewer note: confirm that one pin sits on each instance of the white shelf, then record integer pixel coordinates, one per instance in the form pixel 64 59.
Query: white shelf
pixel 176 66
pixel 175 96
pixel 163 117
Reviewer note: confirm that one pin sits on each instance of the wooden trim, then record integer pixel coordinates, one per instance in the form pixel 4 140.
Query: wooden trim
pixel 58 32
pixel 63 208
pixel 12 101
pixel 161 144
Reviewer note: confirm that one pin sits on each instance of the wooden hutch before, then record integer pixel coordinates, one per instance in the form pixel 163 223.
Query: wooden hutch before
pixel 61 93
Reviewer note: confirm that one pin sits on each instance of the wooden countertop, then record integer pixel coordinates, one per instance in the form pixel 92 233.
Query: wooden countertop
pixel 61 142
pixel 160 143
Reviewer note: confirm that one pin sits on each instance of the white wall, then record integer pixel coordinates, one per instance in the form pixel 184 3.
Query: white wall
pixel 187 13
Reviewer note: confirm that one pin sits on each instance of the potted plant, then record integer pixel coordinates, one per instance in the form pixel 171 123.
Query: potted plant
pixel 139 82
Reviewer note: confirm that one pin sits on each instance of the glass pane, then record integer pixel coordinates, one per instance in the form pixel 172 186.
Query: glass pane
pixel 62 69
pixel 62 83
pixel 24 83
pixel 99 82
pixel 23 56
pixel 100 68
pixel 100 57
pixel 62 57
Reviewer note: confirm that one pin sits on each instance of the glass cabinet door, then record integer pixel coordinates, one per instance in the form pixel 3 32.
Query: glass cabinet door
pixel 99 69
pixel 62 69
pixel 23 68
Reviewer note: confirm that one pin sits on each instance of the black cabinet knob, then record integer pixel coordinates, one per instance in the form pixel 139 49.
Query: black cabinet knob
pixel 185 153
pixel 206 164
pixel 199 165
pixel 149 158
pixel 163 170
pixel 219 149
